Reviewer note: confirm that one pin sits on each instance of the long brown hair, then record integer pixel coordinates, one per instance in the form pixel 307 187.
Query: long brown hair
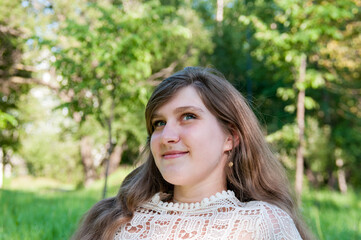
pixel 256 173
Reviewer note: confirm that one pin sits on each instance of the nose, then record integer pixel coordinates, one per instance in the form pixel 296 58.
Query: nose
pixel 170 134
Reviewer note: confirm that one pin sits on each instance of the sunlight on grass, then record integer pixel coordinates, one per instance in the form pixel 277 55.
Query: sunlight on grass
pixel 30 183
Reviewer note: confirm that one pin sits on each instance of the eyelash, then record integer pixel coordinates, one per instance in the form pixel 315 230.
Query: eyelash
pixel 156 123
pixel 189 114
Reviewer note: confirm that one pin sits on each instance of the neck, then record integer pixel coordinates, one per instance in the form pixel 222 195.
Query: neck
pixel 196 193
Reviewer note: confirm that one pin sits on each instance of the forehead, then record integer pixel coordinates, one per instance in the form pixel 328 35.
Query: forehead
pixel 185 97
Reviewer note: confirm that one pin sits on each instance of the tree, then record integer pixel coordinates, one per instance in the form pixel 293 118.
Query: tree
pixel 291 41
pixel 106 53
pixel 341 108
pixel 14 69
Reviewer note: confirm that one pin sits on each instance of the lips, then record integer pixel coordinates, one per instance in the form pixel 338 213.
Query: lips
pixel 174 154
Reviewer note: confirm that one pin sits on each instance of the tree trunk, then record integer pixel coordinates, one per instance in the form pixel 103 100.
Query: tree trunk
pixel 300 126
pixel 219 15
pixel 219 18
pixel 1 168
pixel 311 176
pixel 110 145
pixel 87 160
pixel 331 181
pixel 115 158
pixel 341 176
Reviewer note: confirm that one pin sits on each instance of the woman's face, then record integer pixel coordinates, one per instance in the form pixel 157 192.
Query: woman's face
pixel 188 143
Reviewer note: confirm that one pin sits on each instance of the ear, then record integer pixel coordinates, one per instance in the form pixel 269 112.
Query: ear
pixel 231 141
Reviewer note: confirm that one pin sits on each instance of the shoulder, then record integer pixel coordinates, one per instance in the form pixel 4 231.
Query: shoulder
pixel 265 208
pixel 273 222
pixel 260 208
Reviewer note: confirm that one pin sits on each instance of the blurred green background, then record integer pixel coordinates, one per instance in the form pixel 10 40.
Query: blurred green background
pixel 75 77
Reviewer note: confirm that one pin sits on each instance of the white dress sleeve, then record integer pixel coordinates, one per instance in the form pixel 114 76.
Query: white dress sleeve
pixel 276 224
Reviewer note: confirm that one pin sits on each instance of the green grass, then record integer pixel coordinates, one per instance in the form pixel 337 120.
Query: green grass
pixel 333 216
pixel 34 209
pixel 29 215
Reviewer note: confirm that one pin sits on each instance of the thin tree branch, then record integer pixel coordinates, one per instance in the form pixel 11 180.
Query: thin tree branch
pixel 164 73
pixel 21 80
pixel 9 30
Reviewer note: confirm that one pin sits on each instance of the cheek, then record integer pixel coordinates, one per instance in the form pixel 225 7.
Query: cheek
pixel 153 143
pixel 206 135
pixel 212 142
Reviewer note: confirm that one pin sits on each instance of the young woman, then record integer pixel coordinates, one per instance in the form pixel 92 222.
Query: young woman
pixel 208 172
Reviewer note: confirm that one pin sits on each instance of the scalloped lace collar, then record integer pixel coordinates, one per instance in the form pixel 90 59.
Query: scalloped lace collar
pixel 191 206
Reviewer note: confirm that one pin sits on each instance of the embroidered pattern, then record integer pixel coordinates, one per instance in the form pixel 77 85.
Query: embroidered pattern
pixel 221 216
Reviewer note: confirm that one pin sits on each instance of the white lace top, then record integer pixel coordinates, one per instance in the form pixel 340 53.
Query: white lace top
pixel 221 216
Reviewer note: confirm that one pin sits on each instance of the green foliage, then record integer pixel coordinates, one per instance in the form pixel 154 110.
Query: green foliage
pixel 259 45
pixel 6 119
pixel 9 124
pixel 13 28
pixel 46 155
pixel 105 51
pixel 47 147
pixel 109 51
pixel 318 143
pixel 347 141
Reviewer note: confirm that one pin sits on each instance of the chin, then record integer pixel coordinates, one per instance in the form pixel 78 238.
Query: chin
pixel 173 179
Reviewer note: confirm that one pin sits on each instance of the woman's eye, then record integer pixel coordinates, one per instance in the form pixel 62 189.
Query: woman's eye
pixel 159 123
pixel 189 116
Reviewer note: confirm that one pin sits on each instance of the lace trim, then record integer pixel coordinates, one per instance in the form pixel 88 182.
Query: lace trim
pixel 221 216
pixel 191 206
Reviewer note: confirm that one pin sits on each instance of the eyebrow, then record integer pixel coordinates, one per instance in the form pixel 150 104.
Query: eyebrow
pixel 182 109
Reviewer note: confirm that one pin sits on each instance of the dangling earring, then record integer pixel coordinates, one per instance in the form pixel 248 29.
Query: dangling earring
pixel 230 164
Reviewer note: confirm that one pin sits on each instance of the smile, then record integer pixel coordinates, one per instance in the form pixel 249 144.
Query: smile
pixel 173 154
